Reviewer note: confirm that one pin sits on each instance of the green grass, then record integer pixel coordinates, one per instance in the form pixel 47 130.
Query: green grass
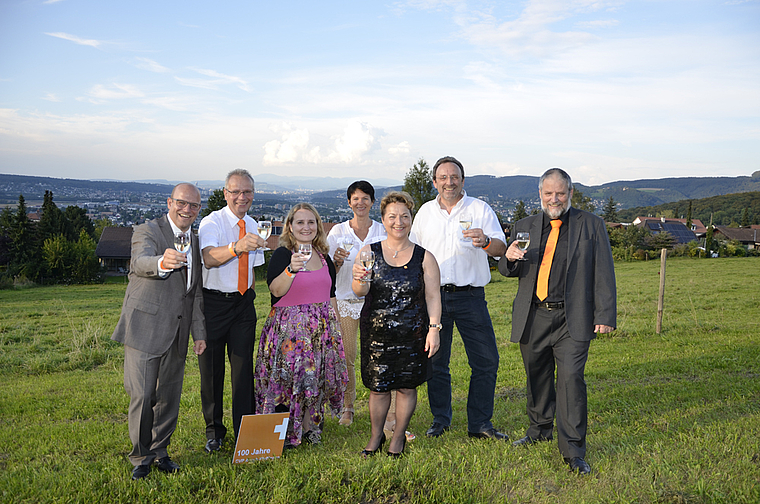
pixel 673 418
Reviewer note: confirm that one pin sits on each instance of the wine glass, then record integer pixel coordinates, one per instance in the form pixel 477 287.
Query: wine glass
pixel 305 250
pixel 265 229
pixel 182 243
pixel 347 245
pixel 523 240
pixel 465 222
pixel 367 258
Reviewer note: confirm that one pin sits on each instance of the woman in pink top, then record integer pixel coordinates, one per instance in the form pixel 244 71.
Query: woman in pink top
pixel 300 364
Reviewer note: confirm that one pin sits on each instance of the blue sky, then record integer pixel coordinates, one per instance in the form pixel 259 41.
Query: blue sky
pixel 606 89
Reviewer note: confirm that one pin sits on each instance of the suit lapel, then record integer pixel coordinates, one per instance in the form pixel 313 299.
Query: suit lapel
pixel 536 229
pixel 573 233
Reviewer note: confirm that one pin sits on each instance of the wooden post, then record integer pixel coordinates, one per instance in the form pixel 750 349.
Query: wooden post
pixel 661 299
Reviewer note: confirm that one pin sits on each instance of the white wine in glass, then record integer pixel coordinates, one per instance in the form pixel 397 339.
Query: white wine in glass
pixel 305 250
pixel 465 222
pixel 347 246
pixel 265 229
pixel 182 243
pixel 367 258
pixel 523 240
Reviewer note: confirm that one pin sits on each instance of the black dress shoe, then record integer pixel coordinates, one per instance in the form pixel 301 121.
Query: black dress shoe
pixel 436 430
pixel 398 455
pixel 140 471
pixel 491 433
pixel 365 453
pixel 213 445
pixel 527 441
pixel 578 465
pixel 167 465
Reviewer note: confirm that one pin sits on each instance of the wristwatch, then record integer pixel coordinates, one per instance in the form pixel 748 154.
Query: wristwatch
pixel 438 326
pixel 290 271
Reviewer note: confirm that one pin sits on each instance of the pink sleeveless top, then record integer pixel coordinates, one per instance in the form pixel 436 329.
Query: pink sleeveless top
pixel 308 287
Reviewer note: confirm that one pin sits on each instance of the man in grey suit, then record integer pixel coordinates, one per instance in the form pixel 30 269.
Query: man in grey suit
pixel 566 295
pixel 162 305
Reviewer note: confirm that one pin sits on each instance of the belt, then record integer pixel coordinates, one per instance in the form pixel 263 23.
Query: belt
pixel 456 288
pixel 222 293
pixel 550 306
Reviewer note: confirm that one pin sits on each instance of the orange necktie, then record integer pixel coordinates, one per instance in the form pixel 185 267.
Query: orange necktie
pixel 242 262
pixel 542 286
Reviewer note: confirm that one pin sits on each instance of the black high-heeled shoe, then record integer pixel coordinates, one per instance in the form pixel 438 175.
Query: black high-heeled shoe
pixel 365 453
pixel 399 454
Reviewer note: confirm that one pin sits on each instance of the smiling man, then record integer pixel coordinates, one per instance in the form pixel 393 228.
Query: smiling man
pixel 463 260
pixel 231 248
pixel 566 295
pixel 162 305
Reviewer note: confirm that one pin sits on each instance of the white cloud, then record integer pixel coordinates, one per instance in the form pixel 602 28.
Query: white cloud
pixel 48 2
pixel 219 80
pixel 400 149
pixel 99 93
pixel 150 65
pixel 75 39
pixel 51 97
pixel 599 23
pixel 291 146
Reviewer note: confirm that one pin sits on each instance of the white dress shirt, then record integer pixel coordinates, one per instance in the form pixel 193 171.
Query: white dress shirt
pixel 339 234
pixel 439 233
pixel 220 228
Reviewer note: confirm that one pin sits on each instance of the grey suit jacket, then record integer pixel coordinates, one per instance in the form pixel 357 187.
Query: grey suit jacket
pixel 155 308
pixel 590 292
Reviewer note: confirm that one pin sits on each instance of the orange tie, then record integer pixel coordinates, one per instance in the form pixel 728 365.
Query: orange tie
pixel 242 262
pixel 542 286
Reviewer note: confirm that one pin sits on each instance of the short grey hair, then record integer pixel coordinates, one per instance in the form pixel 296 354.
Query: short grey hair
pixel 559 172
pixel 239 172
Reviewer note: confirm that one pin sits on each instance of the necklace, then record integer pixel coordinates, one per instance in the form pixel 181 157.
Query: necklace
pixel 395 252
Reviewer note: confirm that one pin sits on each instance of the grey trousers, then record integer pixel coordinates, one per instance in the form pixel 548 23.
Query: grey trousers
pixel 154 385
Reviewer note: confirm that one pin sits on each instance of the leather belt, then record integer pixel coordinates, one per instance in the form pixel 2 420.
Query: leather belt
pixel 550 306
pixel 456 288
pixel 222 293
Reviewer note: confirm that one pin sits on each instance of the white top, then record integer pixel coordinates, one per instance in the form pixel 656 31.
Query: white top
pixel 220 228
pixel 339 234
pixel 163 273
pixel 439 233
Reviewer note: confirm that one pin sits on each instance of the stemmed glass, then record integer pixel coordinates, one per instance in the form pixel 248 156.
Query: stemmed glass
pixel 182 243
pixel 523 240
pixel 305 250
pixel 465 222
pixel 265 229
pixel 367 258
pixel 347 245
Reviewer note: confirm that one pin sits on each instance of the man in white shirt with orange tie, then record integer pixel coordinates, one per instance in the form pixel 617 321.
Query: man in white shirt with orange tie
pixel 230 244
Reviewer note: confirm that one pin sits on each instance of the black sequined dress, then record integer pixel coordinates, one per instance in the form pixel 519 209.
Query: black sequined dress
pixel 394 325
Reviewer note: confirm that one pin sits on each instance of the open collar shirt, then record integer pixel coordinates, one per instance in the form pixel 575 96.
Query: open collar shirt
pixel 220 228
pixel 438 231
pixel 336 238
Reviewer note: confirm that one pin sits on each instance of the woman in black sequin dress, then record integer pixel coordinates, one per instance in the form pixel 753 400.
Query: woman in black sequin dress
pixel 399 323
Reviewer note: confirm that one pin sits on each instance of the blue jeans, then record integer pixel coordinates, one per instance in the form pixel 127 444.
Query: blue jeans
pixel 468 309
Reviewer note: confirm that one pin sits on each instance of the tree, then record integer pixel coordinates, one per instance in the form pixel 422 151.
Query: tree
pixel 610 211
pixel 52 220
pixel 100 225
pixel 745 218
pixel 661 240
pixel 24 260
pixel 215 202
pixel 78 221
pixel 418 182
pixel 581 202
pixel 688 216
pixel 520 212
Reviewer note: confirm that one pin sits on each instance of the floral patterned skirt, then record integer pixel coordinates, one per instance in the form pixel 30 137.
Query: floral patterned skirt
pixel 300 365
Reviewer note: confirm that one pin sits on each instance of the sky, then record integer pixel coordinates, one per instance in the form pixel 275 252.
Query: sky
pixel 606 89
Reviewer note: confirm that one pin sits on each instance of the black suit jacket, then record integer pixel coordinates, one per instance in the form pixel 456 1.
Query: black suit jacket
pixel 154 307
pixel 590 292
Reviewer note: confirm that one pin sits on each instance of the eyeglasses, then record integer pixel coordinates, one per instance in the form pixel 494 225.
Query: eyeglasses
pixel 236 193
pixel 182 204
pixel 444 178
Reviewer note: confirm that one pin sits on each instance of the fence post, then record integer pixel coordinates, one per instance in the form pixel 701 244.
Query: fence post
pixel 661 298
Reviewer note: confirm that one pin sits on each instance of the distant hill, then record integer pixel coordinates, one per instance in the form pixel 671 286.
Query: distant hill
pixel 723 210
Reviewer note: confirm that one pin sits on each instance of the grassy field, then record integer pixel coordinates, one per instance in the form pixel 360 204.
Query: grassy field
pixel 673 418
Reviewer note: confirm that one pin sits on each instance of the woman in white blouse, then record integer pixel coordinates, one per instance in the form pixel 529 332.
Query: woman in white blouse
pixel 345 240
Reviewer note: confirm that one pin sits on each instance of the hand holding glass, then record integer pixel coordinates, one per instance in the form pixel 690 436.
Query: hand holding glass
pixel 265 229
pixel 523 240
pixel 367 258
pixel 465 222
pixel 182 243
pixel 305 250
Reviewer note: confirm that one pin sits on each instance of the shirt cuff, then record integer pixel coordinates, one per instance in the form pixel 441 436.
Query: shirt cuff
pixel 163 273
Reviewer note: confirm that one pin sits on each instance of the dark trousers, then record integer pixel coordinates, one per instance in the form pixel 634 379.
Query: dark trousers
pixel 230 323
pixel 549 344
pixel 154 385
pixel 469 311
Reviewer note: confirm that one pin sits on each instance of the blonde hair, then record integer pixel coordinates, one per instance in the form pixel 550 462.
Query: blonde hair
pixel 287 239
pixel 402 197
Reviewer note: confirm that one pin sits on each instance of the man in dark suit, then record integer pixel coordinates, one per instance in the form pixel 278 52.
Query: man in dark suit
pixel 566 294
pixel 162 305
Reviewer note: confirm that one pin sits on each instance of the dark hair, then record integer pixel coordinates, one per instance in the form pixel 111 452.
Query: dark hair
pixel 448 159
pixel 363 186
pixel 402 197
pixel 559 172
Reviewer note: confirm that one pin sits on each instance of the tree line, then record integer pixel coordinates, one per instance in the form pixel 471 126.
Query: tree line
pixel 60 248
